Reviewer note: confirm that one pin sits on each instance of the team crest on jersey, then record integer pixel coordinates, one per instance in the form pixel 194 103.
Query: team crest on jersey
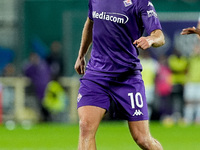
pixel 79 97
pixel 127 3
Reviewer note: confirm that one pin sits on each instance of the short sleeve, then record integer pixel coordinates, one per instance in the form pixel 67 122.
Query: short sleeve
pixel 90 10
pixel 149 16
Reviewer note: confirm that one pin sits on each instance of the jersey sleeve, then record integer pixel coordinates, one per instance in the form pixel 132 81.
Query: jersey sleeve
pixel 149 16
pixel 90 10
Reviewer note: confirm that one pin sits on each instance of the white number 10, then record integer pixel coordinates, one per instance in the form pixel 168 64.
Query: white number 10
pixel 138 100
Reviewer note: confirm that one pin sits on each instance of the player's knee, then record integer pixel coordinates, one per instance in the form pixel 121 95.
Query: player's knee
pixel 86 128
pixel 143 142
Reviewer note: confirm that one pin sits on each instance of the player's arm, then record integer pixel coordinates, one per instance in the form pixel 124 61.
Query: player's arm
pixel 156 39
pixel 191 30
pixel 85 44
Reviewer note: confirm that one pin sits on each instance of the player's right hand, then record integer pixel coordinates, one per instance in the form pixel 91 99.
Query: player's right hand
pixel 80 65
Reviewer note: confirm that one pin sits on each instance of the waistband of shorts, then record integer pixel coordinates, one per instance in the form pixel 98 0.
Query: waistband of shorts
pixel 119 74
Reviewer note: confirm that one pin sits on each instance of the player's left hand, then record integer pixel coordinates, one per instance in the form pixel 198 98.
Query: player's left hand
pixel 143 43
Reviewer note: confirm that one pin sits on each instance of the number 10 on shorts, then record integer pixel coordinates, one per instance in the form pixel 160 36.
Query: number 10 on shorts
pixel 136 100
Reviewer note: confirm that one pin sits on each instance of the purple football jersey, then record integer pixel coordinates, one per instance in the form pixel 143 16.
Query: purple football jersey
pixel 117 24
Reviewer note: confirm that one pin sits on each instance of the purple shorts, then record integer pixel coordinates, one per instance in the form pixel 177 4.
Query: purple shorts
pixel 127 92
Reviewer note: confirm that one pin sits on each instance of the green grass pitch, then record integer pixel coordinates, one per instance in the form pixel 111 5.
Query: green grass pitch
pixel 110 136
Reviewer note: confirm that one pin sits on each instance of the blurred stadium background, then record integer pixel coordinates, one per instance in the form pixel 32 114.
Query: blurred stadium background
pixel 33 25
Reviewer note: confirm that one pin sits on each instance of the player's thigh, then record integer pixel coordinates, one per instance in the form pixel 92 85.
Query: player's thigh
pixel 139 129
pixel 90 115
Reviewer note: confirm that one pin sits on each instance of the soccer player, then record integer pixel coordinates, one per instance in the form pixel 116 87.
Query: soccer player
pixel 113 73
pixel 191 30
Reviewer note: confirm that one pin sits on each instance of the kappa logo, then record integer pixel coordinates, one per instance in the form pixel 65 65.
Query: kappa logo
pixel 127 3
pixel 151 13
pixel 79 97
pixel 137 113
pixel 150 4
